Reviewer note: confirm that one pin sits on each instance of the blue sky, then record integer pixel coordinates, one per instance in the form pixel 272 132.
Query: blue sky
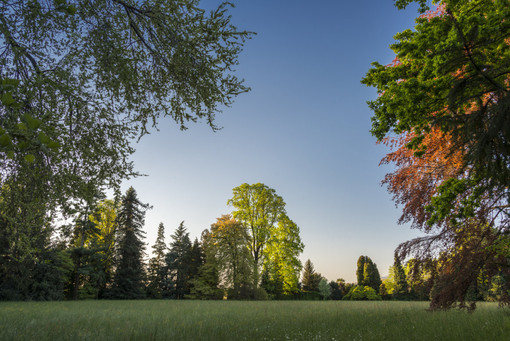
pixel 302 130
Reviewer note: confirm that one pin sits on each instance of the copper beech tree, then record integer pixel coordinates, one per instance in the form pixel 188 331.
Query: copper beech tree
pixel 446 99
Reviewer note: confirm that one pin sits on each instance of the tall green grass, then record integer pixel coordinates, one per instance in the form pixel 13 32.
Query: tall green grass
pixel 231 320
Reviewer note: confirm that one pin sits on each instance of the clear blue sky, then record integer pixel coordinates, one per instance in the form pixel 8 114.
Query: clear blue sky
pixel 302 130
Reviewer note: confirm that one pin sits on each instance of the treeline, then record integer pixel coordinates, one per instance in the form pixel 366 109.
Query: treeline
pixel 251 254
pixel 409 282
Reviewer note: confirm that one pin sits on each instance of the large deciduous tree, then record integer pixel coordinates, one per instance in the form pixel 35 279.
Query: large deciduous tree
pixel 262 212
pixel 80 80
pixel 230 240
pixel 447 97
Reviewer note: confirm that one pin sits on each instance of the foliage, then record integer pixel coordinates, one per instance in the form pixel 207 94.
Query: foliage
pixel 446 95
pixel 400 290
pixel 311 279
pixel 79 82
pixel 336 291
pixel 324 289
pixel 272 236
pixel 229 240
pixel 157 264
pixel 128 281
pixel 206 284
pixel 178 265
pixel 367 273
pixel 362 293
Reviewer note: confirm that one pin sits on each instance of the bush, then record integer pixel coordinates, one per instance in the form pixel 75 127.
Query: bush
pixel 362 293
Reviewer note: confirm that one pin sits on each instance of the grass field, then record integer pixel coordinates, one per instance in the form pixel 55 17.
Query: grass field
pixel 231 320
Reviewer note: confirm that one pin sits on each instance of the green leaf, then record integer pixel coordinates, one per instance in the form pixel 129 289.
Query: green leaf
pixel 53 145
pixel 10 154
pixel 44 139
pixel 7 99
pixel 22 126
pixel 23 145
pixel 33 123
pixel 5 140
pixel 30 158
pixel 10 81
pixel 71 10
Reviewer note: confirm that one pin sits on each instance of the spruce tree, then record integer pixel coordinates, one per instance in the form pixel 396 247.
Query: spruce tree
pixel 311 279
pixel 129 276
pixel 400 291
pixel 157 264
pixel 178 264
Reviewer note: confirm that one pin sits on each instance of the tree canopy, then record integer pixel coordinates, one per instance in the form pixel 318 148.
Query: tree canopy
pixel 446 96
pixel 80 80
pixel 273 239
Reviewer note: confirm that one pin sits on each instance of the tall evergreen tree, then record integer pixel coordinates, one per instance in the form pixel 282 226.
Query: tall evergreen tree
pixel 311 279
pixel 157 264
pixel 130 274
pixel 178 264
pixel 400 283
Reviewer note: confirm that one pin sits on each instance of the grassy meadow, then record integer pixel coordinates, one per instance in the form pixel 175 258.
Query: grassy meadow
pixel 235 320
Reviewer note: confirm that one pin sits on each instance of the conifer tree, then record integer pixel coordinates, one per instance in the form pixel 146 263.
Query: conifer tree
pixel 399 276
pixel 178 264
pixel 311 279
pixel 129 275
pixel 157 264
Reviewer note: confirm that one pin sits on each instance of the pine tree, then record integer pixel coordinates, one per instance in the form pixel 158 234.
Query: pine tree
pixel 157 264
pixel 178 264
pixel 129 276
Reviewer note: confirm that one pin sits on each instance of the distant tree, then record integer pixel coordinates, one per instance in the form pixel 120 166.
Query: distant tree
pixel 383 291
pixel 282 255
pixel 362 293
pixel 104 217
pixel 157 264
pixel 197 259
pixel 336 291
pixel 178 264
pixel 310 280
pixel 128 282
pixel 262 212
pixel 400 290
pixel 367 273
pixel 324 289
pixel 360 268
pixel 87 277
pixel 230 239
pixel 206 284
